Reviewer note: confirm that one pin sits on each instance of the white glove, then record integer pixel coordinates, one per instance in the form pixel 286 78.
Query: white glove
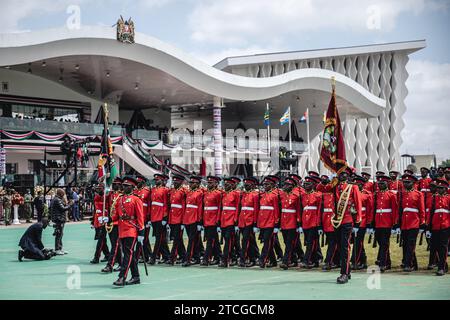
pixel 219 230
pixel 182 227
pixel 199 228
pixel 300 230
pixel 369 231
pixel 105 219
pixel 140 239
pixel 355 230
pixel 168 228
pixel 320 232
pixel 148 225
pixel 276 230
pixel 393 231
pixel 255 230
pixel 100 219
pixel 397 231
pixel 164 222
pixel 428 234
pixel 236 229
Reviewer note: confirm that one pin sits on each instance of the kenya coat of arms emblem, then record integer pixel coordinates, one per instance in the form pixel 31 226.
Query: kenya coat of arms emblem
pixel 125 30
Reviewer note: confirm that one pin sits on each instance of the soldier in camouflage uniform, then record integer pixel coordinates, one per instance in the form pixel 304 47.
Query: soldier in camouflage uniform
pixel 28 206
pixel 7 207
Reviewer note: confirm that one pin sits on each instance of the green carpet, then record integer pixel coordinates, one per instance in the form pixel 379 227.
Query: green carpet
pixel 48 279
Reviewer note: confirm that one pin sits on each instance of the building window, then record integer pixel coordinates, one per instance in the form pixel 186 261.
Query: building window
pixel 11 168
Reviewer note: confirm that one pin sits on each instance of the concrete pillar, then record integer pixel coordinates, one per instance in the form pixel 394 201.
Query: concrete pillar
pixel 217 118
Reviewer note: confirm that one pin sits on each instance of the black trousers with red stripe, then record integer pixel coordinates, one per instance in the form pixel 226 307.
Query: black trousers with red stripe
pixel 178 248
pixel 344 233
pixel 129 261
pixel 161 247
pixel 312 245
pixel 267 252
pixel 333 256
pixel 289 237
pixel 115 254
pixel 147 246
pixel 193 248
pixel 229 237
pixel 249 248
pixel 359 253
pixel 409 239
pixel 102 246
pixel 383 238
pixel 212 244
pixel 440 239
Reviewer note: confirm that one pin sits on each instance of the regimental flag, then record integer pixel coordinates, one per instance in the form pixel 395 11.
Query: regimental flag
pixel 304 118
pixel 286 116
pixel 332 153
pixel 267 117
pixel 106 165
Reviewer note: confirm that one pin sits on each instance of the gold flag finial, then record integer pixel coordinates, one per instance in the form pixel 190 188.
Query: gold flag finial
pixel 333 83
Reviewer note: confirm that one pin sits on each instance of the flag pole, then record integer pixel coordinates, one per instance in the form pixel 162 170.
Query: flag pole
pixel 307 138
pixel 105 134
pixel 268 131
pixel 290 135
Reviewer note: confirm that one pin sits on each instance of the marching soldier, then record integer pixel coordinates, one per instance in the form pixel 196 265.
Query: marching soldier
pixel 247 221
pixel 432 263
pixel 423 185
pixel 143 192
pixel 324 185
pixel 332 258
pixel 212 203
pixel 159 212
pixel 268 221
pixel 346 219
pixel 191 220
pixel 229 214
pixel 276 241
pixel 177 199
pixel 310 221
pixel 439 225
pixel 395 185
pixel 411 218
pixel 384 217
pixel 290 221
pixel 359 258
pixel 129 213
pixel 298 189
pixel 368 185
pixel 100 218
pixel 115 253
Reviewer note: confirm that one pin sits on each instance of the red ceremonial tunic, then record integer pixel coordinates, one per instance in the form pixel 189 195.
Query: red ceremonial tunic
pixel 423 185
pixel 98 206
pixel 230 208
pixel 395 186
pixel 311 204
pixel 324 187
pixel 113 195
pixel 194 206
pixel 129 213
pixel 328 211
pixel 299 191
pixel 369 186
pixel 290 210
pixel 249 208
pixel 144 194
pixel 413 205
pixel 441 216
pixel 269 210
pixel 177 200
pixel 212 201
pixel 354 202
pixel 386 209
pixel 367 207
pixel 159 206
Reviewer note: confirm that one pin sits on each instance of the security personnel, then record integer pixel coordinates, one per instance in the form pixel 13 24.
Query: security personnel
pixel 143 192
pixel 359 258
pixel 247 221
pixel 432 263
pixel 290 221
pixel 324 185
pixel 115 253
pixel 191 220
pixel 129 212
pixel 395 185
pixel 28 206
pixel 212 203
pixel 229 214
pixel 177 201
pixel 368 185
pixel 298 184
pixel 349 207
pixel 268 221
pixel 383 218
pixel 99 220
pixel 159 215
pixel 310 221
pixel 332 258
pixel 439 224
pixel 411 218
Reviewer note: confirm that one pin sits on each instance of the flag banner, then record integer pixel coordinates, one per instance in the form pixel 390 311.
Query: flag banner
pixel 304 117
pixel 106 164
pixel 286 116
pixel 332 153
pixel 267 117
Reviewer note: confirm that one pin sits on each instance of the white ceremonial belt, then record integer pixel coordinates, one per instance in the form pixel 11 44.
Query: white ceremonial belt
pixel 327 210
pixel 442 211
pixel 211 208
pixel 156 203
pixel 310 208
pixel 191 206
pixel 410 210
pixel 425 190
pixel 384 210
pixel 229 208
pixel 98 211
pixel 247 208
pixel 266 208
pixel 145 204
pixel 289 210
pixel 174 205
pixel 363 209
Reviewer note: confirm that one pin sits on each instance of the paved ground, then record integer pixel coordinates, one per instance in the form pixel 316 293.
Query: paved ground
pixel 50 279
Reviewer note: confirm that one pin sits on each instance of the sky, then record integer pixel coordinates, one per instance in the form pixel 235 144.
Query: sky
pixel 211 30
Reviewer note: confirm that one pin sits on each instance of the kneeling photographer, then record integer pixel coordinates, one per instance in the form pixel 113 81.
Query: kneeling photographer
pixel 31 243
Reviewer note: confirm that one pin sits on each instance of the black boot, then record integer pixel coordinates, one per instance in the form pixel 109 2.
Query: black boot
pixel 272 264
pixel 105 259
pixel 186 264
pixel 117 269
pixel 251 264
pixel 326 267
pixel 204 263
pixel 343 278
pixel 95 261
pixel 151 261
pixel 20 255
pixel 133 281
pixel 440 272
pixel 119 282
pixel 284 266
pixel 223 265
pixel 107 269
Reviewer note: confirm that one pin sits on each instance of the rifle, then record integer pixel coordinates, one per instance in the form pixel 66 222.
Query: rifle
pixel 374 245
pixel 421 238
pixel 322 237
pixel 400 215
pixel 430 224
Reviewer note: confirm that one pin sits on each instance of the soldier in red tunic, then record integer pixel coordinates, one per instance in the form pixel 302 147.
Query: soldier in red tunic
pixel 439 224
pixel 411 218
pixel 383 220
pixel 115 253
pixel 298 189
pixel 346 219
pixel 332 258
pixel 143 192
pixel 159 214
pixel 229 214
pixel 177 201
pixel 268 221
pixel 368 185
pixel 423 185
pixel 432 263
pixel 310 221
pixel 100 216
pixel 212 203
pixel 395 185
pixel 191 220
pixel 247 223
pixel 290 221
pixel 324 185
pixel 129 213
